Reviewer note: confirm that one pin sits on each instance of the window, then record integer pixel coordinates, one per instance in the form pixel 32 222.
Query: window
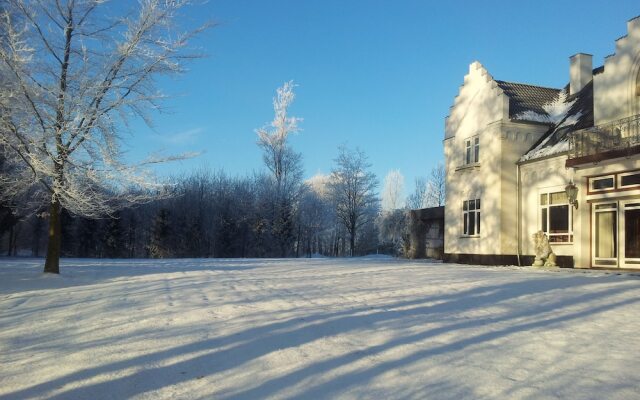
pixel 471 217
pixel 556 217
pixel 472 150
pixel 629 179
pixel 602 183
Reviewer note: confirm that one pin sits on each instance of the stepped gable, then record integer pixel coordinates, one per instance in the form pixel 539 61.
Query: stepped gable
pixel 523 97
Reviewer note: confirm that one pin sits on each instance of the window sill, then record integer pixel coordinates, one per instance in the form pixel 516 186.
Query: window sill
pixel 468 166
pixel 470 237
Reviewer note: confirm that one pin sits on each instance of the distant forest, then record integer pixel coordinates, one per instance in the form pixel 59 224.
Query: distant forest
pixel 210 214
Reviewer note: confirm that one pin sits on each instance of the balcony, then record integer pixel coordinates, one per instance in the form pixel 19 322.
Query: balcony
pixel 615 139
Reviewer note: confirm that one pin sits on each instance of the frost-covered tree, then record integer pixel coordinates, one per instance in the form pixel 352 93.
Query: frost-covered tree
pixel 393 230
pixel 417 199
pixel 436 187
pixel 76 71
pixel 392 190
pixel 352 187
pixel 285 166
pixel 316 217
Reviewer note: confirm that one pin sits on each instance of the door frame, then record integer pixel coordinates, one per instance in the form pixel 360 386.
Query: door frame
pixel 618 207
pixel 624 261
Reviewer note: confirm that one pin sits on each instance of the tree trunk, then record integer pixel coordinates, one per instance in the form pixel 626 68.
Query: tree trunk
pixel 352 244
pixel 52 263
pixel 12 239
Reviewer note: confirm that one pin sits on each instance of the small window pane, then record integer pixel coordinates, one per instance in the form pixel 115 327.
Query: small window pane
pixel 478 222
pixel 477 150
pixel 465 229
pixel 464 206
pixel 629 180
pixel 606 230
pixel 600 184
pixel 632 233
pixel 559 239
pixel 543 199
pixel 472 223
pixel 544 220
pixel 558 198
pixel 477 204
pixel 472 204
pixel 559 219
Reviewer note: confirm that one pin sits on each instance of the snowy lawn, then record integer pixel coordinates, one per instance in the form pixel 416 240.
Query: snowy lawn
pixel 319 328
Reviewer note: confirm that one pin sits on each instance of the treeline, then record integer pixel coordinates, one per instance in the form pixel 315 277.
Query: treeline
pixel 210 215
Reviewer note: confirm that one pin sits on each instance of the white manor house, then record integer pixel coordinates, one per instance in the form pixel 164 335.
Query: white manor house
pixel 523 158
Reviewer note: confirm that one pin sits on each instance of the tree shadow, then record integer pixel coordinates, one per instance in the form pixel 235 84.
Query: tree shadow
pixel 224 353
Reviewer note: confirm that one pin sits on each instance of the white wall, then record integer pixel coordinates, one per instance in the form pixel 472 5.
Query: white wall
pixel 482 109
pixel 538 177
pixel 615 94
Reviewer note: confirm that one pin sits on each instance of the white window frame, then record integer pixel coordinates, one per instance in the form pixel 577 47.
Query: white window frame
pixel 597 178
pixel 547 207
pixel 471 150
pixel 465 217
pixel 632 186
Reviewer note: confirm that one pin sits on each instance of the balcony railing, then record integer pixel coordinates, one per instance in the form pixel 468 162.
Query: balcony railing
pixel 619 138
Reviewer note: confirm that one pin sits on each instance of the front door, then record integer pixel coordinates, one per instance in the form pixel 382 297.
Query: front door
pixel 615 234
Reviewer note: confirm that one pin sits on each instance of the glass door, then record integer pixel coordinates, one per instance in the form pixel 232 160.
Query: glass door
pixel 605 235
pixel 630 233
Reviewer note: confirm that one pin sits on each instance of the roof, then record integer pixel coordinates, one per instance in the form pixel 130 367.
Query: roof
pixel 429 213
pixel 523 97
pixel 578 116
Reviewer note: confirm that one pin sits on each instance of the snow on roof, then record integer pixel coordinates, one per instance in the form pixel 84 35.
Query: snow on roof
pixel 523 97
pixel 567 113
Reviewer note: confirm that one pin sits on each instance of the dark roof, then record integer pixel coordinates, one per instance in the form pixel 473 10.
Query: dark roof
pixel 429 213
pixel 581 110
pixel 523 97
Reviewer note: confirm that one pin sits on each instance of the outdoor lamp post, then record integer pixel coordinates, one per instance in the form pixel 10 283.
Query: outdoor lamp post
pixel 572 193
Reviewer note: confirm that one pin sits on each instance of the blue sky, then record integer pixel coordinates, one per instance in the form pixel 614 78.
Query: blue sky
pixel 379 75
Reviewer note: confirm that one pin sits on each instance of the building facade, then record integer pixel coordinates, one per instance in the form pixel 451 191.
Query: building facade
pixel 514 152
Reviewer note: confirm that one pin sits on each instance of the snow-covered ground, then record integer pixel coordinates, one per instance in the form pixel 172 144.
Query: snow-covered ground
pixel 317 328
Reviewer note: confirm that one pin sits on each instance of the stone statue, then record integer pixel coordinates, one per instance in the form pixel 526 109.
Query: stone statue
pixel 544 255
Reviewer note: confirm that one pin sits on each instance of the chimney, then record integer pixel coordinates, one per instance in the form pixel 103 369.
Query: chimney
pixel 580 71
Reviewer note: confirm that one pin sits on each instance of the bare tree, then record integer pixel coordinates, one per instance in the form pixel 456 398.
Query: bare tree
pixel 77 71
pixel 284 164
pixel 436 189
pixel 392 190
pixel 417 199
pixel 353 190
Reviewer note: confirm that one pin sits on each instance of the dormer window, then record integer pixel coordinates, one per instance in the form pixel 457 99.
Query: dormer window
pixel 472 150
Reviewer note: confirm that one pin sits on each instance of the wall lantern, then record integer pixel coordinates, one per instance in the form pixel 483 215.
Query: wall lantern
pixel 572 193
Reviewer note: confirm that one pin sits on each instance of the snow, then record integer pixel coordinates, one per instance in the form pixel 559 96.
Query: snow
pixel 315 328
pixel 545 151
pixel 555 110
pixel 556 114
